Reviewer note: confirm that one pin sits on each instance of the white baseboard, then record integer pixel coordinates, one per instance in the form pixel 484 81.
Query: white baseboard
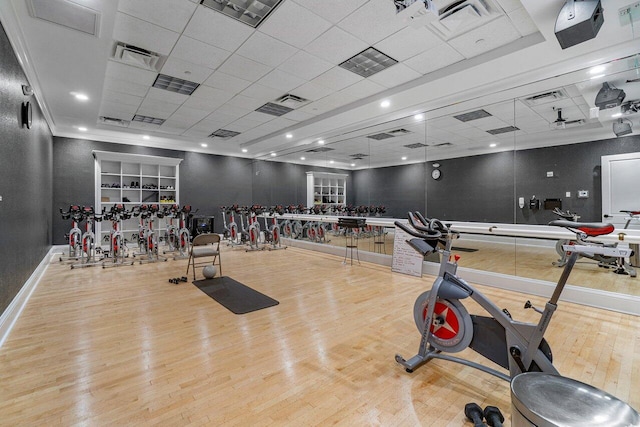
pixel 11 314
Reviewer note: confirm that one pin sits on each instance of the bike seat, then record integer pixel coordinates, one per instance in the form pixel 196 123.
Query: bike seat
pixel 591 229
pixel 632 213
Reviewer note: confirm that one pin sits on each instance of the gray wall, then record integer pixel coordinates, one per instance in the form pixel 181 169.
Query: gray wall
pixel 25 187
pixel 206 181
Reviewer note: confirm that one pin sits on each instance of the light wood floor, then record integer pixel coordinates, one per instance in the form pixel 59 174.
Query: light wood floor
pixel 125 347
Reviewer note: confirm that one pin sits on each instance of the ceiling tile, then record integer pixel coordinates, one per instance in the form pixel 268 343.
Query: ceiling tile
pixel 186 70
pixel 144 126
pixel 312 91
pixel 373 21
pixel 258 117
pixel 332 10
pixel 305 65
pixel 278 79
pixel 488 123
pixel 522 21
pixel 124 86
pixel 217 30
pixel 142 34
pixel 156 108
pixel 434 59
pixel 294 24
pixel 360 90
pixel 266 50
pixel 199 53
pixel 227 82
pixel 117 110
pixel 211 93
pixel 127 73
pixel 189 115
pixel 168 14
pixel 232 111
pixel 205 104
pixel 262 93
pixel 162 95
pixel 121 98
pixel 336 46
pixel 243 125
pixel 395 75
pixel 172 127
pixel 496 33
pixel 408 42
pixel 245 102
pixel 337 79
pixel 509 5
pixel 325 104
pixel 299 116
pixel 244 68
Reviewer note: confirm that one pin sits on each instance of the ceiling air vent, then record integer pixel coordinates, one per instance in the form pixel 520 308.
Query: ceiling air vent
pixel 368 62
pixel 416 145
pixel 358 156
pixel 149 120
pixel 136 56
pixel 472 115
pixel 320 150
pixel 174 84
pixel 397 132
pixel 543 98
pixel 291 101
pixel 274 109
pixel 444 144
pixel 503 130
pixel 67 14
pixel 250 12
pixel 114 121
pixel 224 133
pixel 380 136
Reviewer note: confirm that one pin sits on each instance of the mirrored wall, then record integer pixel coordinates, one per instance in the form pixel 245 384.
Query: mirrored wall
pixel 510 157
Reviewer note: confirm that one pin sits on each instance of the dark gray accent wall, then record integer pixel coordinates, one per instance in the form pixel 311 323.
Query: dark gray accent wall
pixel 25 187
pixel 399 188
pixel 207 182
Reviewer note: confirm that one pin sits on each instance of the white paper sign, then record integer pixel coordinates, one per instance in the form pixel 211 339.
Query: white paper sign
pixel 405 259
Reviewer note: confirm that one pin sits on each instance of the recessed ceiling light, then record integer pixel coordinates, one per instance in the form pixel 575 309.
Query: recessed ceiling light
pixel 616 115
pixel 83 129
pixel 302 158
pixel 419 116
pixel 273 154
pixel 385 104
pixel 204 145
pixel 146 137
pixel 598 69
pixel 331 161
pixel 597 76
pixel 244 150
pixel 80 96
pixel 321 142
pixel 492 145
pixel 289 136
pixel 404 157
pixel 353 165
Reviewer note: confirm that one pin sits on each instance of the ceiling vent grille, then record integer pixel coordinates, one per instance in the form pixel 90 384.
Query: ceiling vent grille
pixel 359 156
pixel 546 97
pixel 224 133
pixel 368 62
pixel 380 136
pixel 291 101
pixel 136 56
pixel 149 120
pixel 114 121
pixel 67 14
pixel 320 150
pixel 506 129
pixel 250 12
pixel 274 109
pixel 472 115
pixel 444 144
pixel 174 84
pixel 397 132
pixel 416 145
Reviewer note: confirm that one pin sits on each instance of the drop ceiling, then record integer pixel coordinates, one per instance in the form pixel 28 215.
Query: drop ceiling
pixel 234 87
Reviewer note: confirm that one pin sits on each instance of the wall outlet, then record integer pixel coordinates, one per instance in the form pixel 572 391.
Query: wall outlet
pixel 550 174
pixel 567 194
pixel 583 194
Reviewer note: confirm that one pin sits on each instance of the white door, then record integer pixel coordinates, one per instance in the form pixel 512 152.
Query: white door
pixel 621 189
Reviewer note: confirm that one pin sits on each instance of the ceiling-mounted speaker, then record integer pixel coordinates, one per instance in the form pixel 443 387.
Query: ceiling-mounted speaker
pixel 578 21
pixel 622 127
pixel 609 97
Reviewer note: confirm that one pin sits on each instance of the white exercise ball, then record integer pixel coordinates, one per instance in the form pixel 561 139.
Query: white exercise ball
pixel 209 271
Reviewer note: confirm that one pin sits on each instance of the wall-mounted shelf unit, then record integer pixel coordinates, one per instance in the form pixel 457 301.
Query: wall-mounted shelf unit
pixel 134 179
pixel 324 188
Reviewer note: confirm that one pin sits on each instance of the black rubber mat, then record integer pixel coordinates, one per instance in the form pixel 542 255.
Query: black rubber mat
pixel 235 296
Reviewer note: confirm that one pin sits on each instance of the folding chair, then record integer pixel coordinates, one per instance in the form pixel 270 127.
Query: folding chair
pixel 205 245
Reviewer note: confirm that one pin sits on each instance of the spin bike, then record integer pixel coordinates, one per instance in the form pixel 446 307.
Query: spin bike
pixel 184 236
pixel 75 234
pixel 272 233
pixel 447 327
pixel 230 229
pixel 88 249
pixel 617 264
pixel 117 248
pixel 254 228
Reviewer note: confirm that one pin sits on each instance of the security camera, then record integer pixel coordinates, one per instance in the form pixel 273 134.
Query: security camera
pixel 622 127
pixel 27 90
